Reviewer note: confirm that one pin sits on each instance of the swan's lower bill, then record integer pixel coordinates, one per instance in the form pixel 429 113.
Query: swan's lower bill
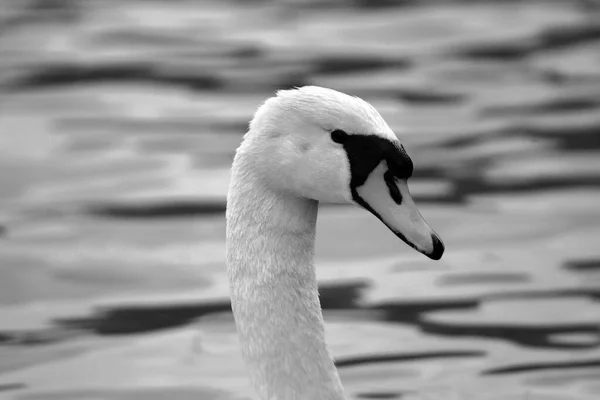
pixel 389 199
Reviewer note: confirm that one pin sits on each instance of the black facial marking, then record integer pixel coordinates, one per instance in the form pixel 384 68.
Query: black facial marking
pixel 365 153
pixel 339 136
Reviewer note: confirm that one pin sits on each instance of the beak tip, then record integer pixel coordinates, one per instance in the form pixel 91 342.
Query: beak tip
pixel 438 248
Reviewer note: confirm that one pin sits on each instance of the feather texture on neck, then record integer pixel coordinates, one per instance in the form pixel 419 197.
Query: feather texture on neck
pixel 270 250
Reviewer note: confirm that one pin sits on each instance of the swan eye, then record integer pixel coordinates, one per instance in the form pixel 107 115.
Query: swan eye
pixel 339 136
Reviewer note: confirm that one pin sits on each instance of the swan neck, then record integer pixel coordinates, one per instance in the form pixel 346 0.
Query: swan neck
pixel 270 250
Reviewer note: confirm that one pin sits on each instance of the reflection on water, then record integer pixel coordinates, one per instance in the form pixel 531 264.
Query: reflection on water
pixel 118 123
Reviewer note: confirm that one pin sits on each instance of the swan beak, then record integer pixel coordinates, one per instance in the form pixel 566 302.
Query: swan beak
pixel 389 199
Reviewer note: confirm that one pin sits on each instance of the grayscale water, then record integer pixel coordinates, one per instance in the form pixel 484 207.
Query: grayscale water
pixel 118 122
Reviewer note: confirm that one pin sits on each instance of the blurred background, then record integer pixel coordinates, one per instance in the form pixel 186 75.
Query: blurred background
pixel 118 123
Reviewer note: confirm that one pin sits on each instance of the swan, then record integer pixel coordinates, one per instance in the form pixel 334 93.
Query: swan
pixel 305 145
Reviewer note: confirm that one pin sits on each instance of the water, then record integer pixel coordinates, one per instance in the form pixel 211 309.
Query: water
pixel 117 127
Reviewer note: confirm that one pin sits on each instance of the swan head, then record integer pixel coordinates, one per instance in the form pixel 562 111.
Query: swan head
pixel 325 145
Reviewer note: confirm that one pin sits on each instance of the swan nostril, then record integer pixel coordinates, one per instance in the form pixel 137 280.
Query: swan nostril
pixel 438 248
pixel 390 181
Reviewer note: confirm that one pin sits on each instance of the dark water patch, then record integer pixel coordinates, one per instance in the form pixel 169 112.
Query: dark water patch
pixel 534 367
pixel 248 51
pixel 474 278
pixel 554 77
pixel 466 186
pixel 410 313
pixel 341 64
pixel 134 38
pixel 591 265
pixel 572 138
pixel 537 337
pixel 74 74
pixel 173 209
pixel 583 292
pixel 375 4
pixel 568 35
pixel 566 105
pixel 379 395
pixel 465 141
pixel 405 357
pixel 3 230
pixel 509 51
pixel 124 319
pixel 5 387
pixel 342 296
pixel 430 97
pixel 39 12
pixel 192 81
pixel 38 337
